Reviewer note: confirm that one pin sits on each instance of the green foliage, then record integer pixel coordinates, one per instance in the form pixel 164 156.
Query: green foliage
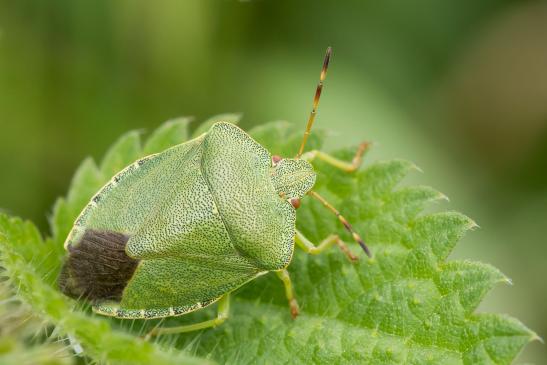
pixel 406 305
pixel 24 338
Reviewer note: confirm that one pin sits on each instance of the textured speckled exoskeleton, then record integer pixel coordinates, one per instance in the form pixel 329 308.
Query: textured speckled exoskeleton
pixel 179 230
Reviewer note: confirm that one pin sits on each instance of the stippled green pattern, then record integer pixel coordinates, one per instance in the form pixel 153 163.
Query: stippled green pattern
pixel 171 282
pixel 293 177
pixel 203 217
pixel 138 196
pixel 259 222
pixel 406 306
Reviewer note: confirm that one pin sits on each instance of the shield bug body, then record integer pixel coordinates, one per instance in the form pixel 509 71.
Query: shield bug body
pixel 179 230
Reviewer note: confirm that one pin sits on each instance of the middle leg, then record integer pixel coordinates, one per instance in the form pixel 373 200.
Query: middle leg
pixel 306 245
pixel 342 220
pixel 283 275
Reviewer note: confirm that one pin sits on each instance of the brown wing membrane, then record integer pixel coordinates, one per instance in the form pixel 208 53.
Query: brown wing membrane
pixel 97 267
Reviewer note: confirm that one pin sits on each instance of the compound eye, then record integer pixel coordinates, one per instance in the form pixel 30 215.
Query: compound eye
pixel 295 202
pixel 276 159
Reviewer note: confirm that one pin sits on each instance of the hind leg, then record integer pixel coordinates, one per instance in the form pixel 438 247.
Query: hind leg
pixel 222 316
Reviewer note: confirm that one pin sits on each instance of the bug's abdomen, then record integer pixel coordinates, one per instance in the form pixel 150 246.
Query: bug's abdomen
pixel 97 267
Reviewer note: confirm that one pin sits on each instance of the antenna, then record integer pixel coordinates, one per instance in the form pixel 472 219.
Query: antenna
pixel 318 90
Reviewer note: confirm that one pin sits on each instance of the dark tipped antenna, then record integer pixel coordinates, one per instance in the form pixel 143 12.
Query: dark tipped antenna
pixel 318 90
pixel 342 220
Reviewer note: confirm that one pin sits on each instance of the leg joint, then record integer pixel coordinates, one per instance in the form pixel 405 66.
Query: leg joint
pixel 221 318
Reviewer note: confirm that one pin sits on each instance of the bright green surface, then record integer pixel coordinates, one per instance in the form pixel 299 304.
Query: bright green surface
pixel 456 86
pixel 405 305
pixel 203 217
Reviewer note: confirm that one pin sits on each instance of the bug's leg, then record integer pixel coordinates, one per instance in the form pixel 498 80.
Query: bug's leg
pixel 306 245
pixel 342 220
pixel 342 165
pixel 222 315
pixel 289 291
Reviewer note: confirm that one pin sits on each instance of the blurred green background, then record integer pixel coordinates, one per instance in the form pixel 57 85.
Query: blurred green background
pixel 459 87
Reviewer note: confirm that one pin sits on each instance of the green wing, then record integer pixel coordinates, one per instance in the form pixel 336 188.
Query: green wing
pixel 163 203
pixel 140 191
pixel 260 224
pixel 169 282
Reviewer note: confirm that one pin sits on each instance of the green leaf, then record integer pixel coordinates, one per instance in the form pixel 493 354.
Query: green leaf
pixel 405 305
pixel 283 139
pixel 170 133
pixel 18 333
pixel 125 151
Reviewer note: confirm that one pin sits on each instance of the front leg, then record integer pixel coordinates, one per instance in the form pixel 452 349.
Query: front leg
pixel 342 165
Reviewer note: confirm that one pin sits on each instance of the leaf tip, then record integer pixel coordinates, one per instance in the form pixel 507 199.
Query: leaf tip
pixel 536 337
pixel 506 280
pixel 441 196
pixel 414 167
pixel 472 225
pixel 177 120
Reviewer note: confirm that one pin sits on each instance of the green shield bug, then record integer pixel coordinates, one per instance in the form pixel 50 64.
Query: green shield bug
pixel 181 229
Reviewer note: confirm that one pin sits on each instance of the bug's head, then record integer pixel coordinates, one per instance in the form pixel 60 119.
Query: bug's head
pixel 292 178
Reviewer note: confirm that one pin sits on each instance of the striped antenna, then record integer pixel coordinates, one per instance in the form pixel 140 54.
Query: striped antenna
pixel 318 90
pixel 342 220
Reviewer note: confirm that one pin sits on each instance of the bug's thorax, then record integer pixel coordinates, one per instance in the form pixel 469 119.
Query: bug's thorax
pixel 292 178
